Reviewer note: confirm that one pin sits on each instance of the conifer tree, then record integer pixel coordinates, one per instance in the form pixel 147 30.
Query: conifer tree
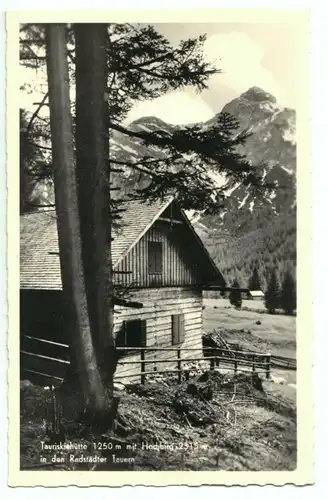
pixel 272 294
pixel 235 295
pixel 141 64
pixel 288 293
pixel 254 281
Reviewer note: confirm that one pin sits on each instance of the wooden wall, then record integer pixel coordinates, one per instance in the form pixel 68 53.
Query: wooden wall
pixel 44 336
pixel 159 305
pixel 43 333
pixel 178 268
pixel 42 315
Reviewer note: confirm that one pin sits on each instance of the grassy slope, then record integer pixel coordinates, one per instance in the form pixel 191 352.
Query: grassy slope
pixel 275 334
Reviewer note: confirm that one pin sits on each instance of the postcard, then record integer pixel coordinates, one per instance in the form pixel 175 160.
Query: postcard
pixel 159 248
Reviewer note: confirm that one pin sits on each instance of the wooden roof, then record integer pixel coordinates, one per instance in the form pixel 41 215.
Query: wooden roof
pixel 39 253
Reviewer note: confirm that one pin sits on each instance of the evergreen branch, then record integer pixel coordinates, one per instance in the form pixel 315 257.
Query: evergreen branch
pixel 35 175
pixel 26 57
pixel 70 55
pixel 36 112
pixel 168 55
pixel 39 146
pixel 144 161
pixel 138 135
pixel 166 76
pixel 37 205
pixel 137 167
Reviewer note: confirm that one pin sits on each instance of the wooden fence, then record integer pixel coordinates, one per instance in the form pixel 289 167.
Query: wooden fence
pixel 283 362
pixel 240 362
pixel 276 361
pixel 45 362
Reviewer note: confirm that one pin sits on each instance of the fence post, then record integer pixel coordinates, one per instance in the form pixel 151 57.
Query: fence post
pixel 236 367
pixel 217 359
pixel 143 366
pixel 253 366
pixel 212 363
pixel 268 366
pixel 179 365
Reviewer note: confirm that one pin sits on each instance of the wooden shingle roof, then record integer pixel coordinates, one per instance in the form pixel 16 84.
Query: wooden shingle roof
pixel 39 259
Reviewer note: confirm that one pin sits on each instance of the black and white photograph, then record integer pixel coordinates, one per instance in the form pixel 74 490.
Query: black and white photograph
pixel 158 261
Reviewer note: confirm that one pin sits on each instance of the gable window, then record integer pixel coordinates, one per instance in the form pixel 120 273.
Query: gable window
pixel 155 257
pixel 178 331
pixel 132 334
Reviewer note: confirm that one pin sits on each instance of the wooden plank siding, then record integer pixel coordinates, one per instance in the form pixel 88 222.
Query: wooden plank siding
pixel 42 315
pixel 176 270
pixel 159 306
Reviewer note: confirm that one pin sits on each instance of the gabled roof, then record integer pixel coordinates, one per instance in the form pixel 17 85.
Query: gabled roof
pixel 39 253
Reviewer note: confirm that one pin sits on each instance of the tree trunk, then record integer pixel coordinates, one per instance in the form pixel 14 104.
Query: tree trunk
pixel 92 156
pixel 74 293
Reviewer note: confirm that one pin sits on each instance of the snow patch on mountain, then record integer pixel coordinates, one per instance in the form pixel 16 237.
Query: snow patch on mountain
pixel 129 149
pixel 143 127
pixel 242 203
pixel 228 192
pixel 268 106
pixel 288 170
pixel 218 178
pixel 114 145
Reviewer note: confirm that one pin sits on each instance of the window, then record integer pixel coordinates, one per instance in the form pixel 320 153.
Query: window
pixel 178 332
pixel 155 257
pixel 132 334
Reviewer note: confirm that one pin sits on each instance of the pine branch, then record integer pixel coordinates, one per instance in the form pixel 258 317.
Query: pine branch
pixel 145 161
pixel 36 112
pixel 39 146
pixel 166 76
pixel 136 166
pixel 37 205
pixel 138 135
pixel 168 55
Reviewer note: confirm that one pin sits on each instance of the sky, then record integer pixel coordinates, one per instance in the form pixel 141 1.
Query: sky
pixel 248 54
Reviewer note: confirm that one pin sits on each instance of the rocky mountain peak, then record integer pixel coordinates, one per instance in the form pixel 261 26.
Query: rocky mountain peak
pixel 239 234
pixel 149 124
pixel 256 94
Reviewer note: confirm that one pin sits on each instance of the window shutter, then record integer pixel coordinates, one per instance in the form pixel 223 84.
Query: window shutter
pixel 175 329
pixel 181 328
pixel 159 258
pixel 155 257
pixel 151 258
pixel 143 333
pixel 125 329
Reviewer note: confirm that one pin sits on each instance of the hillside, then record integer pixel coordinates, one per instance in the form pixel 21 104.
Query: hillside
pixel 251 229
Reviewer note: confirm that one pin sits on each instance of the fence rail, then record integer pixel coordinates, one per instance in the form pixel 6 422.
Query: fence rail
pixel 44 361
pixel 258 362
pixel 282 362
